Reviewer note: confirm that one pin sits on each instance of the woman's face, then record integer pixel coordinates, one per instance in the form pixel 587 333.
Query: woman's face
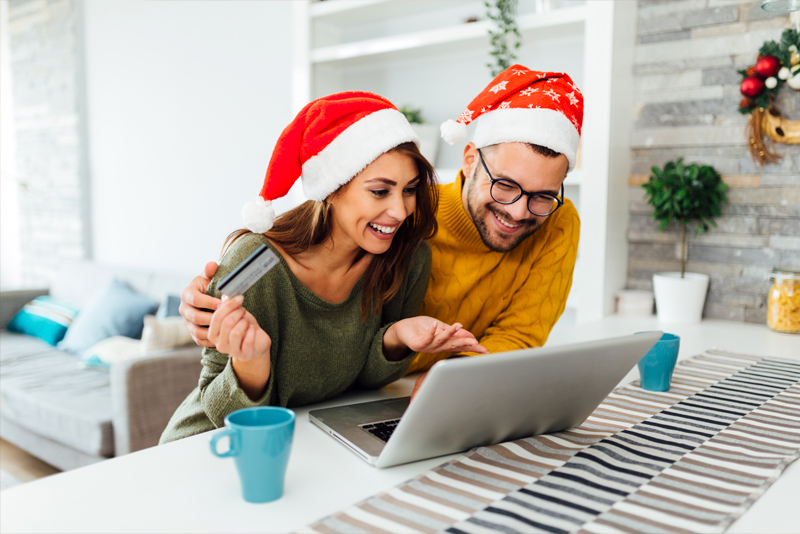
pixel 372 206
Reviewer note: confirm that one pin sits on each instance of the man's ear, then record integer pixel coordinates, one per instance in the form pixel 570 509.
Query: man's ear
pixel 469 159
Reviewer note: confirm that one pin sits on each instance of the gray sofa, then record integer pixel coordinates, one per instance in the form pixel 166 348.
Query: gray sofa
pixel 71 417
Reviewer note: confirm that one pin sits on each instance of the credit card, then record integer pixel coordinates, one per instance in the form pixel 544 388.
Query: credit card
pixel 248 272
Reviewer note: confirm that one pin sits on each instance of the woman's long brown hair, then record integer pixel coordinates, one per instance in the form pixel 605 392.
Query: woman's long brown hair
pixel 311 223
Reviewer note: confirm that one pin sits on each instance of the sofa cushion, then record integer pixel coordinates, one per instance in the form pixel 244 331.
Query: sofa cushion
pixel 169 307
pixel 111 351
pixel 118 311
pixel 164 334
pixel 44 318
pixel 43 390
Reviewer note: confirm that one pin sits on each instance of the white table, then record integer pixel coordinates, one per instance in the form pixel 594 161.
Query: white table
pixel 181 487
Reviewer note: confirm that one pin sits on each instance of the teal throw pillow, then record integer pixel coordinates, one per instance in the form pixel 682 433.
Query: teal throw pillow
pixel 43 318
pixel 118 311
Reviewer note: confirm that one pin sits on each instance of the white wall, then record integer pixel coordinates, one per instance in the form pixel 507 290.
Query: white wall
pixel 185 101
pixel 10 270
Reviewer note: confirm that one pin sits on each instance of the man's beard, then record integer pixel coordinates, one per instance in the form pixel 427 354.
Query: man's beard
pixel 480 213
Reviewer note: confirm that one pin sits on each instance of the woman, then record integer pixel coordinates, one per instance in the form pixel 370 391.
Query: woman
pixel 339 310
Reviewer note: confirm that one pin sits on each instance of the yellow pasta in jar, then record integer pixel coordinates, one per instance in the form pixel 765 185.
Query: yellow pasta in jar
pixel 783 302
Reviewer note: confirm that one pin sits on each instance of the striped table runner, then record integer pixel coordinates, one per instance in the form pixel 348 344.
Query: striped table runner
pixel 692 459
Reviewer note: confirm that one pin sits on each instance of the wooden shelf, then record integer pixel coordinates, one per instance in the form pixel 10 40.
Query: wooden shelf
pixel 558 22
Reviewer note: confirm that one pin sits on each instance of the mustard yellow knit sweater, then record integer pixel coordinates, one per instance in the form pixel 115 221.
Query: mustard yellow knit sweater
pixel 508 300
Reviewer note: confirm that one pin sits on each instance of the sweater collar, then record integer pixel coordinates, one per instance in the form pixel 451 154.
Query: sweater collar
pixel 457 221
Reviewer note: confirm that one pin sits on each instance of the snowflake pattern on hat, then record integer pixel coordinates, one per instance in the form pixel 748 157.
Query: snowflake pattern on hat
pixel 546 96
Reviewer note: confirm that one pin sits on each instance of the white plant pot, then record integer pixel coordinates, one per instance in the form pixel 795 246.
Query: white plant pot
pixel 428 140
pixel 680 300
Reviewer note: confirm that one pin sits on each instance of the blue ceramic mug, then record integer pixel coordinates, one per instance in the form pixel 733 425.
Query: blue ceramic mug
pixel 655 368
pixel 260 443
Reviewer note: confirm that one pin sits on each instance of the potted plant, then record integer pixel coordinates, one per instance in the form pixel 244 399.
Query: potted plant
pixel 428 133
pixel 690 195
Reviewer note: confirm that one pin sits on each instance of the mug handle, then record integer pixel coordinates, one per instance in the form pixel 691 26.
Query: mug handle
pixel 233 450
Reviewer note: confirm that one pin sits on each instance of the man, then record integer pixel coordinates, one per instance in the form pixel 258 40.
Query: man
pixel 507 241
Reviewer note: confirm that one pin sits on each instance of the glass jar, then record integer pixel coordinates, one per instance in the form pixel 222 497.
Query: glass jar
pixel 783 302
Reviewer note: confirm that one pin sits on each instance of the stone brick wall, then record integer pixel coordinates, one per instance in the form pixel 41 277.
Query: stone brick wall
pixel 687 95
pixel 47 81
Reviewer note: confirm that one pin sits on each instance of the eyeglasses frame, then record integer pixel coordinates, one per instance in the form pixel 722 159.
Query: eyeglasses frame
pixel 559 201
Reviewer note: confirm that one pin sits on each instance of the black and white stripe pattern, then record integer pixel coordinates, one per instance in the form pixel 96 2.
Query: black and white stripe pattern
pixel 692 459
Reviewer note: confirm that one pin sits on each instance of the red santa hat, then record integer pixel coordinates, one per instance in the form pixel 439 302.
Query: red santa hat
pixel 522 105
pixel 331 140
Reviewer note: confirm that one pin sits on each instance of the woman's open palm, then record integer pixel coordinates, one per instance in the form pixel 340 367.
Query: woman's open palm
pixel 426 334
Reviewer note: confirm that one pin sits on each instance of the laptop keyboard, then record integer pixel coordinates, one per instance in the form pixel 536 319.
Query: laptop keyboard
pixel 381 430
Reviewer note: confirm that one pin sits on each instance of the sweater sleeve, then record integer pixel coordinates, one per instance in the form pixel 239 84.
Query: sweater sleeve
pixel 378 371
pixel 534 309
pixel 220 390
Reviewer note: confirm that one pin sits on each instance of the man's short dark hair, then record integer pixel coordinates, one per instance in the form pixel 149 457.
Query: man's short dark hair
pixel 544 151
pixel 539 149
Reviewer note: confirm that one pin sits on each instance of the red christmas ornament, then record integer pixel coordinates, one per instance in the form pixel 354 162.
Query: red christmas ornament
pixel 751 71
pixel 745 103
pixel 751 87
pixel 768 66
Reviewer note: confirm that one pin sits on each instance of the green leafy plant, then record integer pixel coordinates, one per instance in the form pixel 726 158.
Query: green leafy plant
pixel 413 115
pixel 688 194
pixel 506 38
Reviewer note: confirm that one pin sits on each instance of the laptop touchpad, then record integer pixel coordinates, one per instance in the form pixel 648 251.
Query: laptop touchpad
pixel 398 404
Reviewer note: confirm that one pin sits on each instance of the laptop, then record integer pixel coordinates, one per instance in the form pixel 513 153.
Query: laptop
pixel 471 402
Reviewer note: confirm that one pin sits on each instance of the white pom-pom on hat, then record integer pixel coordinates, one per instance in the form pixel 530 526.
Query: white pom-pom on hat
pixel 453 131
pixel 258 215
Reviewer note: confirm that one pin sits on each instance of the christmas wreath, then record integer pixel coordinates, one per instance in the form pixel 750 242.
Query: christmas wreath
pixel 777 64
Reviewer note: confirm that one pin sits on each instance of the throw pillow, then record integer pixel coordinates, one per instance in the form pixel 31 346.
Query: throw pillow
pixel 165 334
pixel 110 351
pixel 117 311
pixel 169 307
pixel 43 318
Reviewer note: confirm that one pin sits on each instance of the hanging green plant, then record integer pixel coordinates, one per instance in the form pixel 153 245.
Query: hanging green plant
pixel 506 38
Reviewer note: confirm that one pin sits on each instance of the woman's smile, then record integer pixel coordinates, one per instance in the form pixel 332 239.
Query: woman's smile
pixel 382 231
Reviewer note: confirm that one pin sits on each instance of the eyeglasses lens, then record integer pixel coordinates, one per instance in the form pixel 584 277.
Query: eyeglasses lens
pixel 541 205
pixel 505 192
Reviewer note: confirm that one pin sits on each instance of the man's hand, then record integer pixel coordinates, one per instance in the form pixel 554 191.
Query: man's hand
pixel 195 302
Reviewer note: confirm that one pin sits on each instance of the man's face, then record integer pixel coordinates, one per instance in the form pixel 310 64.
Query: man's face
pixel 503 226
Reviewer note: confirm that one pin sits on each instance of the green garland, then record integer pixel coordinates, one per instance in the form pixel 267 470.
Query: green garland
pixel 504 14
pixel 782 51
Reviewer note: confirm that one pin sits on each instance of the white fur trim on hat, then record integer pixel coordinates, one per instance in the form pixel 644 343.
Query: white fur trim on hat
pixel 452 131
pixel 258 215
pixel 352 150
pixel 545 127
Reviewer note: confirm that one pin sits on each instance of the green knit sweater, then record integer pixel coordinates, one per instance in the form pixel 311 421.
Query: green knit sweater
pixel 319 349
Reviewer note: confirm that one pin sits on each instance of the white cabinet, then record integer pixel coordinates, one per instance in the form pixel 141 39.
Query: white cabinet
pixel 424 53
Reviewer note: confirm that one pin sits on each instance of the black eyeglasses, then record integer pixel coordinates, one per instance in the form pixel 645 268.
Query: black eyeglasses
pixel 505 191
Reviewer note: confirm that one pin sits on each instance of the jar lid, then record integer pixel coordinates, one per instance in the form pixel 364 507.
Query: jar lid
pixel 781 273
